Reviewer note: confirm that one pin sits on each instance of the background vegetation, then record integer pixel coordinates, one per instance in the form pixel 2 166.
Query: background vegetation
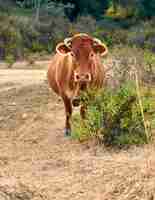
pixel 29 26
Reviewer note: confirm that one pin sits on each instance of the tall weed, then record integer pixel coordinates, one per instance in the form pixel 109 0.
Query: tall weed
pixel 114 117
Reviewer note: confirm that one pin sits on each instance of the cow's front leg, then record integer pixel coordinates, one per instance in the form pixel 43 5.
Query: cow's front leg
pixel 68 112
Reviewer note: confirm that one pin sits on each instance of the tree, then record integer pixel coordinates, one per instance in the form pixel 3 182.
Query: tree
pixel 149 8
pixel 115 5
pixel 84 7
pixel 73 8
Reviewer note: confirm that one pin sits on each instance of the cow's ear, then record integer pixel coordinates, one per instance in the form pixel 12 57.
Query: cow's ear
pixel 61 48
pixel 101 49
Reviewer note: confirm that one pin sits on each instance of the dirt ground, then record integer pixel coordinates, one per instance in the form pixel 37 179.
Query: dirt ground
pixel 38 163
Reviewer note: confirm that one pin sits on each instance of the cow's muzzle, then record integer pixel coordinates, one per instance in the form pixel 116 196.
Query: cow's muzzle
pixel 82 77
pixel 83 81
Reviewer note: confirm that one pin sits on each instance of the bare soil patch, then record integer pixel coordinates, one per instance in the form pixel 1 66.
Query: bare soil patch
pixel 38 163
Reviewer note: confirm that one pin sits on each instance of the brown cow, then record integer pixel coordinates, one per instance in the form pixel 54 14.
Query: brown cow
pixel 75 67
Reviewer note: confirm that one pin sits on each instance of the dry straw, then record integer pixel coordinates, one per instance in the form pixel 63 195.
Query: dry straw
pixel 141 104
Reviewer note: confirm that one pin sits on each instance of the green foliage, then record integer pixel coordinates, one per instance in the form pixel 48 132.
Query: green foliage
pixel 149 58
pixel 117 9
pixel 114 117
pixel 10 37
pixel 126 32
pixel 20 33
pixel 72 8
pixel 36 47
pixel 84 24
pixel 148 8
pixel 10 59
pixel 132 8
pixel 112 37
pixel 88 7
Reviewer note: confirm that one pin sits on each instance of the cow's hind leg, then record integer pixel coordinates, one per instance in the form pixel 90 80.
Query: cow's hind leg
pixel 68 110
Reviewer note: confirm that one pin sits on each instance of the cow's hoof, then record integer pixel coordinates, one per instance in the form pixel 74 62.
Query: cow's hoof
pixel 67 132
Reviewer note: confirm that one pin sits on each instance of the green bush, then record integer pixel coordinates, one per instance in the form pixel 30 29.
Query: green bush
pixel 10 37
pixel 112 36
pixel 113 117
pixel 84 24
pixel 20 33
pixel 10 59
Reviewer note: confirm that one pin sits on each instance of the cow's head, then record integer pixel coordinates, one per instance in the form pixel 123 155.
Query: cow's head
pixel 83 50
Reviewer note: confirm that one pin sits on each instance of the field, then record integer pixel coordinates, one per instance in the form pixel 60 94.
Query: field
pixel 38 163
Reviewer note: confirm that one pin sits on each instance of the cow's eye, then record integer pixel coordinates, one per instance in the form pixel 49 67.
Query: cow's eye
pixel 91 55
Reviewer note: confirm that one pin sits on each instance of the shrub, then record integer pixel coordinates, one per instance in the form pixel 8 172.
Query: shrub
pixel 113 117
pixel 149 75
pixel 84 24
pixel 123 60
pixel 143 36
pixel 112 36
pixel 10 60
pixel 20 33
pixel 10 38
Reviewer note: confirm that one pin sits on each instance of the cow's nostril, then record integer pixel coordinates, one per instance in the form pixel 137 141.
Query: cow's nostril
pixel 88 77
pixel 76 77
